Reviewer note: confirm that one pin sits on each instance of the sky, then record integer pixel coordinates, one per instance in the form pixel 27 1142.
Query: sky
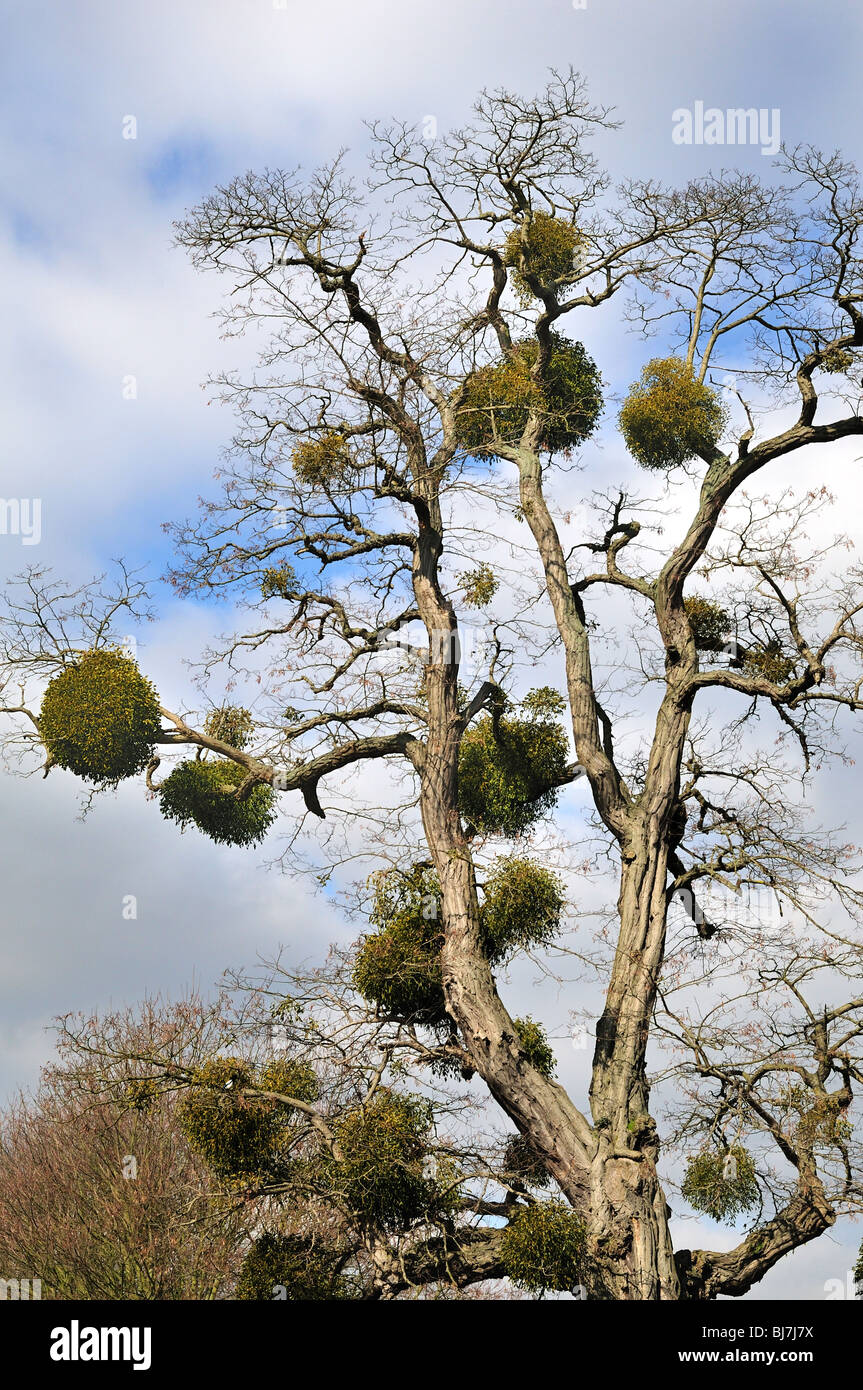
pixel 116 119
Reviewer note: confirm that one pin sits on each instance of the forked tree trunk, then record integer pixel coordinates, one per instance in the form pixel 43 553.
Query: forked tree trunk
pixel 607 1167
pixel 605 1164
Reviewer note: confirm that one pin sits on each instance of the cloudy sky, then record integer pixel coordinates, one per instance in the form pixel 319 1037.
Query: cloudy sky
pixel 94 294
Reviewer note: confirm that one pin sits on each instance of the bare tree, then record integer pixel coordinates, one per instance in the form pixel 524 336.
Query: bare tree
pixel 101 1196
pixel 416 384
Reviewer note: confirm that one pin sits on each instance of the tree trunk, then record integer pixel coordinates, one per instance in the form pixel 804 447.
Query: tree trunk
pixel 607 1169
pixel 628 1212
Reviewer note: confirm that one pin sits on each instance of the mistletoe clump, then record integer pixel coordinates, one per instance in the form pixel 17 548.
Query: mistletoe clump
pixel 770 662
pixel 837 360
pixel 324 461
pixel 237 1135
pixel 289 1076
pixel 535 1045
pixel 522 1162
pixel 100 718
pixel 279 581
pixel 379 1173
pixel 479 586
pixel 291 1267
pixel 522 907
pixel 544 246
pixel 511 769
pixel 230 724
pixel 721 1183
pixel 398 967
pixel 142 1093
pixel 821 1120
pixel 495 405
pixel 498 399
pixel 201 793
pixel 543 1248
pixel 670 416
pixel 710 624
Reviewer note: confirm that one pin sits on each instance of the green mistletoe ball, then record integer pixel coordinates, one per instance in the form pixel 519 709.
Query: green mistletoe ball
pixel 100 718
pixel 200 793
